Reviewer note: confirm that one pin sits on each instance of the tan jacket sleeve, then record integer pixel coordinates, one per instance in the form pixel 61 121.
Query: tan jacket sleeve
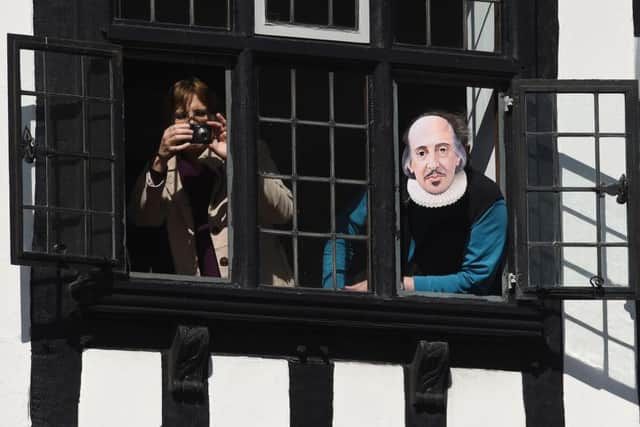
pixel 148 202
pixel 275 200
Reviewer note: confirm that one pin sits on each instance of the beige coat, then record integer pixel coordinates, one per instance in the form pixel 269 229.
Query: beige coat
pixel 153 205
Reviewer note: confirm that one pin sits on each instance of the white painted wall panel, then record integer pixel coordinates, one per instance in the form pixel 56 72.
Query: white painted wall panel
pixel 600 387
pixel 357 388
pixel 600 364
pixel 15 350
pixel 481 398
pixel 120 388
pixel 249 391
pixel 596 39
pixel 588 406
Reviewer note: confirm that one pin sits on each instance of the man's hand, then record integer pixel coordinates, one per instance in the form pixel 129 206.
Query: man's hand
pixel 358 287
pixel 409 285
pixel 219 142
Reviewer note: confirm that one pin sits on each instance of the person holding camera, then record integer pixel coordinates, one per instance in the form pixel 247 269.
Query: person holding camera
pixel 185 187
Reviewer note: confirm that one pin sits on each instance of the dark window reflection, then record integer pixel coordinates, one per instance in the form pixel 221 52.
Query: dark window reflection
pixel 344 14
pixel 350 97
pixel 321 13
pixel 137 9
pixel 277 137
pixel 206 13
pixel 274 85
pixel 544 266
pixel 278 10
pixel 210 13
pixel 313 150
pixel 350 153
pixel 410 21
pixel 312 94
pixel 540 167
pixel 312 12
pixel 543 210
pixel 314 206
pixel 173 11
pixel 446 23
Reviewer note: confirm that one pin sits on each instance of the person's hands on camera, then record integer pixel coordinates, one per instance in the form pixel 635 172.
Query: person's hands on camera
pixel 179 137
pixel 219 135
pixel 175 138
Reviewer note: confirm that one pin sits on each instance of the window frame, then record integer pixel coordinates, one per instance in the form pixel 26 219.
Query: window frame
pixel 519 167
pixel 15 44
pixel 382 309
pixel 360 35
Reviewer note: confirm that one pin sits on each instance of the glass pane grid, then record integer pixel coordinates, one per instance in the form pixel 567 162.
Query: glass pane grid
pixel 308 181
pixel 574 161
pixel 193 13
pixel 336 14
pixel 473 25
pixel 60 212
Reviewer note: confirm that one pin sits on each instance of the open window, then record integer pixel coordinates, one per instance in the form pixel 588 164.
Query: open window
pixel 480 120
pixel 575 155
pixel 65 116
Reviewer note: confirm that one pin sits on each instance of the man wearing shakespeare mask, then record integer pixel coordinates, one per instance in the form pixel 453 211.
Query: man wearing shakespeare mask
pixel 454 218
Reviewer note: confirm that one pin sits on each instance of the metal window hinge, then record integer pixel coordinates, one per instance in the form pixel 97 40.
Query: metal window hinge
pixel 508 103
pixel 514 280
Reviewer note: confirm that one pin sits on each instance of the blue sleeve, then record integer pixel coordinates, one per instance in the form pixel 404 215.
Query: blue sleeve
pixel 350 222
pixel 482 256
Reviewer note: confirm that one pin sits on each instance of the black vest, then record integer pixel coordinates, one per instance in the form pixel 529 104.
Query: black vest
pixel 441 234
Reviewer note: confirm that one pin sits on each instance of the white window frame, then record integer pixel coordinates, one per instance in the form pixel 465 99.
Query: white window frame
pixel 360 35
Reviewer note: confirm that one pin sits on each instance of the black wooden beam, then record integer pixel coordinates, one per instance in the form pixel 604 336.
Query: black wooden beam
pixel 636 18
pixel 542 379
pixel 243 149
pixel 310 392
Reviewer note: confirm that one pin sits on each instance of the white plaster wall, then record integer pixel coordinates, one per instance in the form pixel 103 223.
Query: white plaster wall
pixel 120 388
pixel 470 405
pixel 15 350
pixel 249 391
pixel 357 388
pixel 596 42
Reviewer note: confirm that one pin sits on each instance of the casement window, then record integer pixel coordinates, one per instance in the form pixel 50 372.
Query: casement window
pixel 318 134
pixel 575 144
pixel 66 152
pixel 345 21
pixel 194 13
pixel 331 111
pixel 468 24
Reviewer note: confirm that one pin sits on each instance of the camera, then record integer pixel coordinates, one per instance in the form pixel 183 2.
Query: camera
pixel 201 133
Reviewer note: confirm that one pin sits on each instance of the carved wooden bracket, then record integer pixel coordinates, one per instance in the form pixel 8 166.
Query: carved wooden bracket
pixel 429 377
pixel 88 286
pixel 188 362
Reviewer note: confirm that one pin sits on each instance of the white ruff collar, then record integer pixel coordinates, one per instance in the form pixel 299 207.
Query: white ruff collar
pixel 448 197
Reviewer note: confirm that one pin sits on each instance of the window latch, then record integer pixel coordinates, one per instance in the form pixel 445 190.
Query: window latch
pixel 619 189
pixel 29 145
pixel 508 103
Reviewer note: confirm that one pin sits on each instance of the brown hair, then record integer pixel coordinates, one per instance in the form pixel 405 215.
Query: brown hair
pixel 181 92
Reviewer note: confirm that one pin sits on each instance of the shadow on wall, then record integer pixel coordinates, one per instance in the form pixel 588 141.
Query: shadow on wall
pixel 604 377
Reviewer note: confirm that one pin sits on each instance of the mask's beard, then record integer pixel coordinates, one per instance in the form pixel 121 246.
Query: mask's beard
pixel 448 197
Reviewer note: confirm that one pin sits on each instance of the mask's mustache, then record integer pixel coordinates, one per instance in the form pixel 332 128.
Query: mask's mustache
pixel 435 171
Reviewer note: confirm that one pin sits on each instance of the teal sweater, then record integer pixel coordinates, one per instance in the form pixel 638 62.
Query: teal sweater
pixel 482 256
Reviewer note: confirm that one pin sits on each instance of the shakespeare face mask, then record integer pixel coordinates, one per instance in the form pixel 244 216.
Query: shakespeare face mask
pixel 433 159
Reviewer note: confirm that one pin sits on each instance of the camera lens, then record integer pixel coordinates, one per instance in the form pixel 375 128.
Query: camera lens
pixel 201 133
